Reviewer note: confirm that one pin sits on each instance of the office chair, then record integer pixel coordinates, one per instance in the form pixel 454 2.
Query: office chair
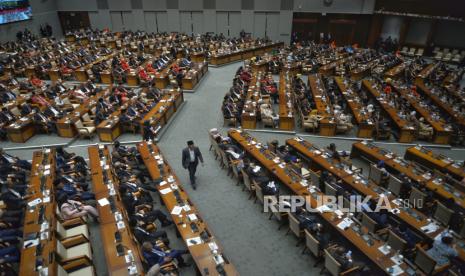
pixel 394 185
pixel 315 177
pixel 396 242
pixel 375 174
pixel 294 226
pixel 417 198
pixel 443 214
pixel 369 223
pixel 330 190
pixel 248 184
pixel 334 267
pixel 424 262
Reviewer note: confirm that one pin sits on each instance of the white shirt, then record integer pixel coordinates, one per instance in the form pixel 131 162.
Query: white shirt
pixel 192 155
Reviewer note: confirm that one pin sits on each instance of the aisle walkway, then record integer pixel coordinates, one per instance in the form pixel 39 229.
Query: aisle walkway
pixel 250 240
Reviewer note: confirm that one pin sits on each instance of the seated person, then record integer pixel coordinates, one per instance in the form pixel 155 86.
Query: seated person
pixel 344 258
pixel 443 250
pixel 73 209
pixel 154 255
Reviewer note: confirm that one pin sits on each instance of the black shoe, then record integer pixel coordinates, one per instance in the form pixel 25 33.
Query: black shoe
pixel 194 187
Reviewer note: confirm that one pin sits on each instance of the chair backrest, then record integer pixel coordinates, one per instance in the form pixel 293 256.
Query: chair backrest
pixel 331 264
pixel 395 185
pixel 78 124
pixel 86 117
pixel 369 223
pixel 375 174
pixel 417 198
pixel 330 190
pixel 294 225
pixel 60 229
pixel 61 271
pixel 225 159
pixel 312 244
pixel 259 193
pixel 235 170
pixel 15 111
pixel 462 229
pixel 396 242
pixel 443 214
pixel 315 177
pixel 424 261
pixel 246 179
pixel 61 250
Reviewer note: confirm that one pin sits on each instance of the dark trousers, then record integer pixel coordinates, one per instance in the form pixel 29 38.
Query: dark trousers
pixel 192 169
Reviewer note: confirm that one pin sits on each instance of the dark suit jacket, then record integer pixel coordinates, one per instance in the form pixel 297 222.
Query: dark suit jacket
pixel 186 159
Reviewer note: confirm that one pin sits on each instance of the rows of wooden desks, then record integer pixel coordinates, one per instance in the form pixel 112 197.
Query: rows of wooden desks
pixel 362 70
pixel 196 74
pixel 426 72
pixel 249 112
pixel 444 106
pixel 66 125
pixel 286 102
pixel 406 131
pixel 364 122
pixel 114 219
pixel 39 218
pixel 329 68
pixel 442 132
pixel 110 129
pixel 299 186
pixel 395 163
pixel 439 162
pixel 203 246
pixel 162 78
pixel 220 59
pixel 396 71
pixel 320 160
pixel 327 125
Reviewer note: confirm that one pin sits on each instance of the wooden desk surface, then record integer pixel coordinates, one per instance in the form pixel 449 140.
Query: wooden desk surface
pixel 173 195
pixel 41 184
pixel 435 161
pixel 396 70
pixel 362 185
pixel 438 125
pixel 286 102
pixel 353 101
pixel 444 106
pixel 100 163
pixel 425 72
pixel 317 87
pixel 294 182
pixel 410 170
pixel 390 110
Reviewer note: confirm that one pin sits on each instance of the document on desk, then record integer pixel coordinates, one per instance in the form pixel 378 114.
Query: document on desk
pixel 193 241
pixel 384 249
pixel 34 202
pixel 345 223
pixel 176 210
pixel 165 191
pixel 103 201
pixel 30 243
pixel 395 270
pixel 431 227
pixel 324 208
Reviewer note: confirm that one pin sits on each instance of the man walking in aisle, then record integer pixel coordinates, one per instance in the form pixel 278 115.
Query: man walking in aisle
pixel 190 159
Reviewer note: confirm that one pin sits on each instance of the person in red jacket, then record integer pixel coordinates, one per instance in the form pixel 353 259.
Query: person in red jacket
pixel 39 100
pixel 36 81
pixel 124 65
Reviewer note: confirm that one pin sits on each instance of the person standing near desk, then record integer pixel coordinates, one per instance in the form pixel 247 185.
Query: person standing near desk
pixel 190 159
